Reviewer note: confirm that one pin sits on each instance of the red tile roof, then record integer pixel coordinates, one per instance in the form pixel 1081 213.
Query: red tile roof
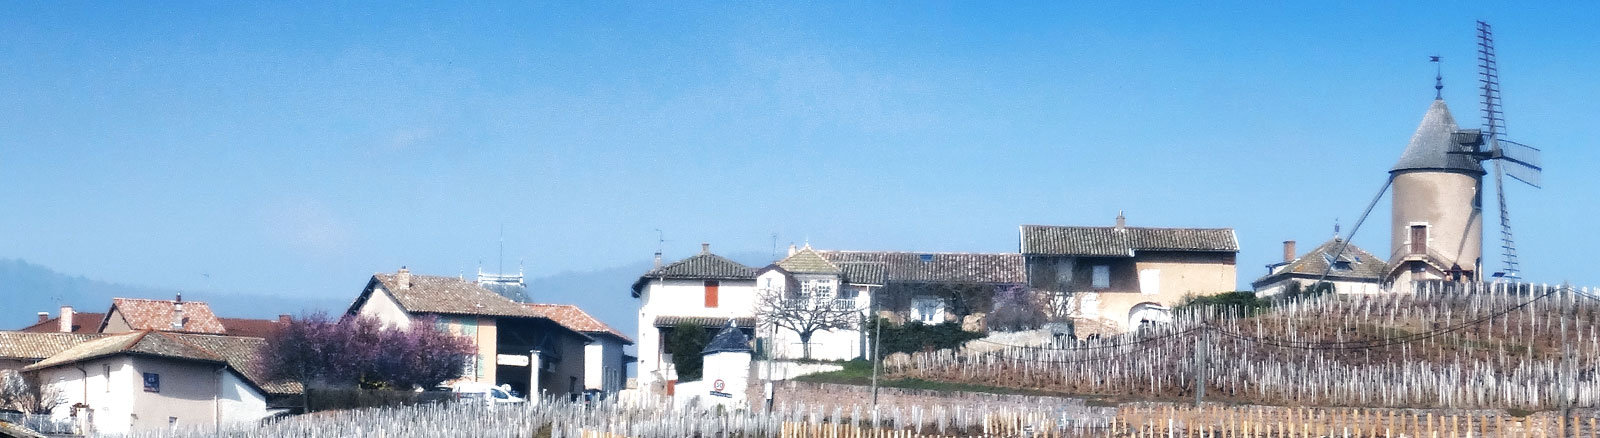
pixel 255 328
pixel 82 322
pixel 576 319
pixel 142 314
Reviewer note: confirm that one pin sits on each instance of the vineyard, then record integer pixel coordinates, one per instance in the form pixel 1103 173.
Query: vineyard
pixel 1507 346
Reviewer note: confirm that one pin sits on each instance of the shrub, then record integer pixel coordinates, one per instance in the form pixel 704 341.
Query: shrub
pixel 685 344
pixel 916 336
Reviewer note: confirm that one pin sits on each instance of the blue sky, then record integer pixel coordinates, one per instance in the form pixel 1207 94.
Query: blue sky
pixel 297 148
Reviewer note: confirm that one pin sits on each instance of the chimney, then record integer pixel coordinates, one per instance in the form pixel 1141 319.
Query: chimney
pixel 792 249
pixel 705 248
pixel 177 313
pixel 66 319
pixel 1122 222
pixel 1288 251
pixel 402 278
pixel 285 319
pixel 658 259
pixel 43 316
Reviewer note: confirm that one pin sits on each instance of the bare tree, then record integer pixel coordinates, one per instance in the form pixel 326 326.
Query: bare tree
pixel 806 312
pixel 13 390
pixel 26 393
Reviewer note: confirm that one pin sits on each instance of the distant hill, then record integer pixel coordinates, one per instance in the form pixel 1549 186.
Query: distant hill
pixel 28 289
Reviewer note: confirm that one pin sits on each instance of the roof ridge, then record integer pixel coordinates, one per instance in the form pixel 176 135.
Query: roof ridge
pixel 136 339
pixel 205 350
pixel 860 251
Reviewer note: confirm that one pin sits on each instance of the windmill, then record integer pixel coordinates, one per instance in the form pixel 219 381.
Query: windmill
pixel 1517 160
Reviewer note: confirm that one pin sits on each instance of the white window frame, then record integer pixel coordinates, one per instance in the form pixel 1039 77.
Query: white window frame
pixel 920 310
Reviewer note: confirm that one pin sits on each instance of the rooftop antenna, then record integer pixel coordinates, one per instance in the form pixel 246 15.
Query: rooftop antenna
pixel 774 246
pixel 661 243
pixel 502 269
pixel 1513 159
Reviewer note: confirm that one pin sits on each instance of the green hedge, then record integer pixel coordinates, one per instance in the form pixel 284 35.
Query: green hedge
pixel 916 336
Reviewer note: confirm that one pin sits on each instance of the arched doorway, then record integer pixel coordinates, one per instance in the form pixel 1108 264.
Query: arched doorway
pixel 1148 313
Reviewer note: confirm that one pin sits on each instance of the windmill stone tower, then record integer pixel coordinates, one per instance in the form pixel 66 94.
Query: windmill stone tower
pixel 1437 226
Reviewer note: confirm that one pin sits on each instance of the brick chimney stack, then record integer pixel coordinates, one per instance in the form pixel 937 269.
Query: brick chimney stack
pixel 792 249
pixel 1122 222
pixel 1288 251
pixel 403 278
pixel 43 316
pixel 177 313
pixel 66 319
pixel 285 319
pixel 705 248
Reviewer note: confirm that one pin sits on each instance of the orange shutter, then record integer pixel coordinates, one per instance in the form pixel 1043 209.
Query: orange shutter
pixel 711 294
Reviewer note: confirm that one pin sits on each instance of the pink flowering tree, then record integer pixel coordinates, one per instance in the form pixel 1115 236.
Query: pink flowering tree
pixel 317 351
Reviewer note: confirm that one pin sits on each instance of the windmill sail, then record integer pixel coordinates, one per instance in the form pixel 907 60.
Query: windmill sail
pixel 1522 162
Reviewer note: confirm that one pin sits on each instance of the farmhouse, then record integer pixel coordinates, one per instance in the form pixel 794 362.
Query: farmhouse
pixel 517 345
pixel 1129 274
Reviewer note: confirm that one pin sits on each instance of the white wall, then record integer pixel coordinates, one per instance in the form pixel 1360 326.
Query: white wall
pixel 239 402
pixel 109 395
pixel 604 370
pixel 733 369
pixel 192 391
pixel 682 298
pixel 380 305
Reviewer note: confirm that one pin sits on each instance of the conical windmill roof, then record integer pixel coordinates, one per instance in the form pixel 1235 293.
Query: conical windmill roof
pixel 1432 143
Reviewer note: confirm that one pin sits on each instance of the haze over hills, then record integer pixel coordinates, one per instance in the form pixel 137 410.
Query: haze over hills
pixel 27 289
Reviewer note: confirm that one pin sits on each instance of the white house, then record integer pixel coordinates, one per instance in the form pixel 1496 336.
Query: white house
pixel 705 290
pixel 151 380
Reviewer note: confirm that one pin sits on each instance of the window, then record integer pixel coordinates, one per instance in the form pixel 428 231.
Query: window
pixel 816 289
pixel 107 368
pixel 711 293
pixel 1150 281
pixel 1102 277
pixel 152 382
pixel 928 310
pixel 1419 239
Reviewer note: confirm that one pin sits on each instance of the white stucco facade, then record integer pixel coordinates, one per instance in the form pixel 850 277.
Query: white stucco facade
pixel 604 368
pixel 683 298
pixel 189 394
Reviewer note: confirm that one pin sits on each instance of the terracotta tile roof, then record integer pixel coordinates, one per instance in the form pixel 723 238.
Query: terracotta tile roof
pixel 240 352
pixel 29 346
pixel 144 342
pixel 237 352
pixel 255 328
pixel 450 295
pixel 806 261
pixel 576 319
pixel 82 322
pixel 1355 264
pixel 704 321
pixel 914 267
pixel 1051 240
pixel 703 266
pixel 143 314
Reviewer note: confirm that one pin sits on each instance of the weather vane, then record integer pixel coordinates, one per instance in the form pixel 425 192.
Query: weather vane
pixel 1438 78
